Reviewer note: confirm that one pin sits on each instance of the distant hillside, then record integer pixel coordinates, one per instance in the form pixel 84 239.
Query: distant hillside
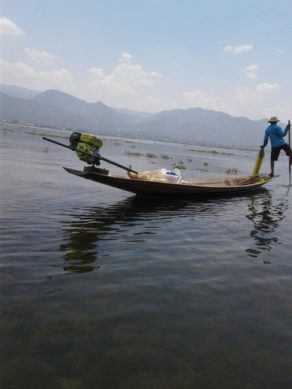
pixel 195 125
pixel 134 117
pixel 101 117
pixel 58 110
pixel 27 111
pixel 16 91
pixel 204 126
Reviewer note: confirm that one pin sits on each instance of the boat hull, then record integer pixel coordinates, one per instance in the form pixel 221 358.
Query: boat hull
pixel 195 188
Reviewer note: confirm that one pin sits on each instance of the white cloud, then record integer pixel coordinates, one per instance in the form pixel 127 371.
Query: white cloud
pixel 238 49
pixel 21 74
pixel 268 88
pixel 129 85
pixel 259 101
pixel 8 27
pixel 96 73
pixel 251 71
pixel 37 55
pixel 125 57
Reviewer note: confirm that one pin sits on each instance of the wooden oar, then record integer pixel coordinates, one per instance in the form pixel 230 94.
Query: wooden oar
pixel 290 153
pixel 93 156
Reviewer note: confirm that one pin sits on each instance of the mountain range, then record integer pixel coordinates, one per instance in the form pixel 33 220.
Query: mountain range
pixel 194 125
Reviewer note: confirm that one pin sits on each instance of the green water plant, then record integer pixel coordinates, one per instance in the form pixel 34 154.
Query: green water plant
pixel 133 154
pixel 150 155
pixel 179 165
pixel 231 171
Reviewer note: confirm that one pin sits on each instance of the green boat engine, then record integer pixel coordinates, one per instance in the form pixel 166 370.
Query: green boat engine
pixel 86 143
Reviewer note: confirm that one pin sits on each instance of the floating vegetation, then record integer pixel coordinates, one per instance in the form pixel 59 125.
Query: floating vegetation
pixel 210 152
pixel 231 171
pixel 165 157
pixel 137 154
pixel 178 165
pixel 6 130
pixel 133 154
pixel 150 155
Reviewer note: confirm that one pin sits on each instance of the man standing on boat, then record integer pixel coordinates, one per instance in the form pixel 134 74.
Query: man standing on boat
pixel 276 135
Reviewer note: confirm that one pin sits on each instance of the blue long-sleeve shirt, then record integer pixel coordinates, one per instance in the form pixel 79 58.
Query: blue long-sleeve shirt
pixel 276 135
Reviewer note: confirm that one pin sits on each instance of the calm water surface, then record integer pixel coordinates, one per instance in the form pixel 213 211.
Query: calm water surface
pixel 101 289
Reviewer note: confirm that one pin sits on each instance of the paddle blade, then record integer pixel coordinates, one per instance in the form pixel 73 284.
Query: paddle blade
pixel 258 162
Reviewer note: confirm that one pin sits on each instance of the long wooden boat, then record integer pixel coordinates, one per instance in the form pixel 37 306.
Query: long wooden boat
pixel 191 187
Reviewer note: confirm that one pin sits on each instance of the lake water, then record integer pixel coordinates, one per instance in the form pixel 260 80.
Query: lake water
pixel 102 289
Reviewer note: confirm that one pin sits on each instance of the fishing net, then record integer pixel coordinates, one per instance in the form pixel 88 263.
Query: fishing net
pixel 161 175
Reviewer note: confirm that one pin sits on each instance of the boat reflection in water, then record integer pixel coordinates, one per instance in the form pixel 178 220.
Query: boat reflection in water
pixel 266 212
pixel 84 232
pixel 136 217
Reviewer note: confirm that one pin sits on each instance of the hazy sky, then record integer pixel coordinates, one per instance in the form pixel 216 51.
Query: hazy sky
pixel 150 55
